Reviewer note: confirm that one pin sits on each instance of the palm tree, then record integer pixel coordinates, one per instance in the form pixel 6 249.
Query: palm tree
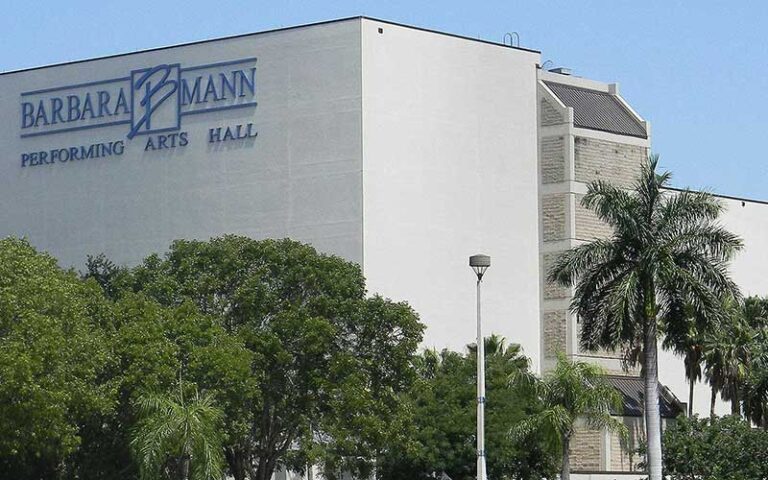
pixel 726 356
pixel 667 252
pixel 688 341
pixel 178 439
pixel 756 384
pixel 571 391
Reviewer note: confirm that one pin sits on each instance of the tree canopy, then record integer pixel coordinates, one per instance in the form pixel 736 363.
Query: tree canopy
pixel 715 449
pixel 327 362
pixel 303 365
pixel 53 360
pixel 441 433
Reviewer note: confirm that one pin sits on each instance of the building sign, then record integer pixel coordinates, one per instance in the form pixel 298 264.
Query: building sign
pixel 150 103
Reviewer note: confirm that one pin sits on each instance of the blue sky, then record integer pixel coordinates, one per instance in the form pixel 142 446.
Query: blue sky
pixel 697 70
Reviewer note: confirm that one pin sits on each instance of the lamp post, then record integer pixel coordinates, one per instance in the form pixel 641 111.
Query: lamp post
pixel 480 264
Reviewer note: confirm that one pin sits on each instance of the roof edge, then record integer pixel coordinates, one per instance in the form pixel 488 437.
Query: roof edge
pixel 719 195
pixel 273 30
pixel 184 44
pixel 454 35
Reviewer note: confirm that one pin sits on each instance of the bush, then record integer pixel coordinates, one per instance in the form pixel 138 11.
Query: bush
pixel 725 448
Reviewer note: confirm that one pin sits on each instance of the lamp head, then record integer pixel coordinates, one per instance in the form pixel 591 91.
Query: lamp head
pixel 479 264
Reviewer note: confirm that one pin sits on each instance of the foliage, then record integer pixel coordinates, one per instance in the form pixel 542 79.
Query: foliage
pixel 726 351
pixel 328 363
pixel 149 345
pixel 441 432
pixel 724 448
pixel 53 357
pixel 736 358
pixel 572 391
pixel 686 338
pixel 178 438
pixel 667 253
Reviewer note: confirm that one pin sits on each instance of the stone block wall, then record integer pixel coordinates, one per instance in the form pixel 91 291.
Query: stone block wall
pixel 553 220
pixel 554 333
pixel 549 114
pixel 552 159
pixel 585 450
pixel 617 163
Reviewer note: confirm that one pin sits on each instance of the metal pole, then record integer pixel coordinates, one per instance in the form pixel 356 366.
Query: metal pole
pixel 480 392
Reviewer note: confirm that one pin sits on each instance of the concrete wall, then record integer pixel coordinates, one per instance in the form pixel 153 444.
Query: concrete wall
pixel 300 177
pixel 449 170
pixel 405 150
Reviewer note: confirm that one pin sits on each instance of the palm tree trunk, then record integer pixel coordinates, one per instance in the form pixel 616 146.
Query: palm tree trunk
pixel 184 464
pixel 652 414
pixel 565 471
pixel 692 382
pixel 712 402
pixel 735 402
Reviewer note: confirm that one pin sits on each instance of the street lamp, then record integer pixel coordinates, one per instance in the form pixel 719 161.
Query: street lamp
pixel 480 264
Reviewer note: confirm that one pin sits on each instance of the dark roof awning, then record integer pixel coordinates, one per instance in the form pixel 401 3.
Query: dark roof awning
pixel 598 110
pixel 632 391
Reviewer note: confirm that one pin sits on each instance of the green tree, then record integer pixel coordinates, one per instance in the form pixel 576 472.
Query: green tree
pixel 329 363
pixel 724 448
pixel 667 252
pixel 178 438
pixel 53 357
pixel 686 338
pixel 726 351
pixel 572 391
pixel 149 345
pixel 440 436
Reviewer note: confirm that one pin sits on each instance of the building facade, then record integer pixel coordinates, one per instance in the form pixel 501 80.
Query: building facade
pixel 402 149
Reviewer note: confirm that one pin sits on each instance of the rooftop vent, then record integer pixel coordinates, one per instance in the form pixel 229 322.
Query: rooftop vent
pixel 561 70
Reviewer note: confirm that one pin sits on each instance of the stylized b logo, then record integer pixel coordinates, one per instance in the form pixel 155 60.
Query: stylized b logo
pixel 155 100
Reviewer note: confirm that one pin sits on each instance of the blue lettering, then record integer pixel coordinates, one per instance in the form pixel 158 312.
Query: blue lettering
pixel 210 88
pixel 86 153
pixel 183 141
pixel 214 135
pixel 226 85
pixel 27 115
pixel 189 97
pixel 149 101
pixel 228 134
pixel 87 107
pixel 41 114
pixel 121 103
pixel 244 82
pixel 73 104
pixel 103 104
pixel 56 106
pixel 63 155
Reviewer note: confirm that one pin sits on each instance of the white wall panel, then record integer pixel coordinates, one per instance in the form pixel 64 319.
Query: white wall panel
pixel 449 170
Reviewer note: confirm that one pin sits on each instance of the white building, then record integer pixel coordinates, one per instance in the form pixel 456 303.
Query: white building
pixel 403 149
